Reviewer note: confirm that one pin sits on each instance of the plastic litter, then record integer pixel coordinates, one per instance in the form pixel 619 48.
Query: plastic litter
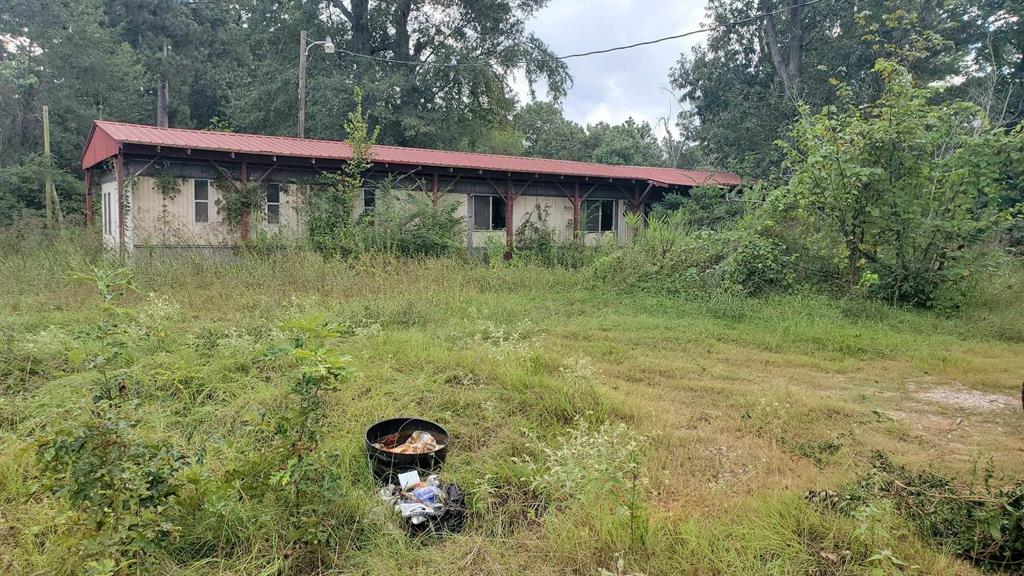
pixel 426 503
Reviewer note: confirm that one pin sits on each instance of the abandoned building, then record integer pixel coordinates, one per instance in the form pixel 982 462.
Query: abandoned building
pixel 162 187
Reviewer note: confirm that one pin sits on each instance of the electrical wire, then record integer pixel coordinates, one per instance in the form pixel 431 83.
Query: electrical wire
pixel 590 52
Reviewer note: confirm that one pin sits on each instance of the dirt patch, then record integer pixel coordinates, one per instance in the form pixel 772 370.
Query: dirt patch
pixel 968 399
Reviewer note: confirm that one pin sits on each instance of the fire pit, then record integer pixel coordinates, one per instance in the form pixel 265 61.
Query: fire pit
pixel 398 445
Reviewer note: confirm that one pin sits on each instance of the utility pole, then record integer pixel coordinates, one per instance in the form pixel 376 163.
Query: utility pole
pixel 302 84
pixel 162 95
pixel 49 191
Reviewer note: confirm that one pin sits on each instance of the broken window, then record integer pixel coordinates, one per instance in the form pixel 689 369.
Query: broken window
pixel 488 213
pixel 600 215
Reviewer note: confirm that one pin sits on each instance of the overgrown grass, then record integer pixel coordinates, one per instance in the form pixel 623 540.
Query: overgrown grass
pixel 738 405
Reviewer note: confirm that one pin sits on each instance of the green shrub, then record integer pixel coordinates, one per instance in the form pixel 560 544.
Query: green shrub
pixel 535 237
pixel 119 485
pixel 704 207
pixel 901 195
pixel 754 264
pixel 669 256
pixel 329 219
pixel 984 523
pixel 406 223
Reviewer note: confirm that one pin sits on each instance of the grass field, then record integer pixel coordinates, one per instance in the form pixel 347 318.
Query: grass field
pixel 593 430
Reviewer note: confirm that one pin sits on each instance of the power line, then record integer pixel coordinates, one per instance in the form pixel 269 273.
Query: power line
pixel 591 52
pixel 685 34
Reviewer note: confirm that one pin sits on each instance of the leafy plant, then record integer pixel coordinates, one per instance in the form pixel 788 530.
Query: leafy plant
pixel 238 202
pixel 168 185
pixel 704 207
pixel 119 484
pixel 312 486
pixel 407 223
pixel 983 523
pixel 330 222
pixel 535 236
pixel 898 193
pixel 668 255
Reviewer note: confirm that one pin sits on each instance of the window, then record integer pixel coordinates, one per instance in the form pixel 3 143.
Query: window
pixel 369 198
pixel 273 203
pixel 600 215
pixel 201 200
pixel 106 214
pixel 488 213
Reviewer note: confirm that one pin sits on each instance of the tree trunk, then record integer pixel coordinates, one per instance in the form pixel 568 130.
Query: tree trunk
pixel 408 92
pixel 358 19
pixel 789 70
pixel 400 20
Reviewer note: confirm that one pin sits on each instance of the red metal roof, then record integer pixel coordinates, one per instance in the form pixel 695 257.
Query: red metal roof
pixel 106 137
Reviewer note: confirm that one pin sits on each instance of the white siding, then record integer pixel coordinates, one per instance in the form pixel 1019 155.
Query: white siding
pixel 156 220
pixel 170 220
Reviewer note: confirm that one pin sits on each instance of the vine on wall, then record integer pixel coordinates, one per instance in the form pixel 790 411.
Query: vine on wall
pixel 168 185
pixel 236 201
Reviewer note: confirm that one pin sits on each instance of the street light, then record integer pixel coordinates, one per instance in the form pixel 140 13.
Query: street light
pixel 328 45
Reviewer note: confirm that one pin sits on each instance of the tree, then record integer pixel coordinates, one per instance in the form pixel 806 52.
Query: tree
pixel 548 134
pixel 786 51
pixel 433 73
pixel 744 84
pixel 185 47
pixel 330 223
pixel 994 76
pixel 630 143
pixel 59 54
pixel 899 193
pixel 471 48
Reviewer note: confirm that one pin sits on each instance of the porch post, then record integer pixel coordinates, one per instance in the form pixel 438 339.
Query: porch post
pixel 637 202
pixel 119 175
pixel 88 197
pixel 435 192
pixel 245 208
pixel 576 211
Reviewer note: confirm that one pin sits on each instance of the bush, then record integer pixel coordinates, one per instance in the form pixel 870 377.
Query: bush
pixel 537 241
pixel 705 207
pixel 754 264
pixel 669 256
pixel 406 223
pixel 119 484
pixel 982 523
pixel 900 195
pixel 535 237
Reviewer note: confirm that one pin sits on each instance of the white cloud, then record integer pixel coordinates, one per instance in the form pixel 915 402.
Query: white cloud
pixel 612 87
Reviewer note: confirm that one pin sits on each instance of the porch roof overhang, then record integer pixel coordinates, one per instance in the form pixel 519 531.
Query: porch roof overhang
pixel 107 139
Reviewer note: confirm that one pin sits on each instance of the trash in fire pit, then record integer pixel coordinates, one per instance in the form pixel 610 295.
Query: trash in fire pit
pixel 419 442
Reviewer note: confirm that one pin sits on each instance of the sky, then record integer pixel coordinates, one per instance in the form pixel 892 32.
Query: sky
pixel 613 87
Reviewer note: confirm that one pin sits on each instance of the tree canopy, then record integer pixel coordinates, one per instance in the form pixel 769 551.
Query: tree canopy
pixel 740 90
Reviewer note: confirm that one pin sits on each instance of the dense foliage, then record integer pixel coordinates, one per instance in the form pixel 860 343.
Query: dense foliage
pixel 982 521
pixel 740 90
pixel 900 193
